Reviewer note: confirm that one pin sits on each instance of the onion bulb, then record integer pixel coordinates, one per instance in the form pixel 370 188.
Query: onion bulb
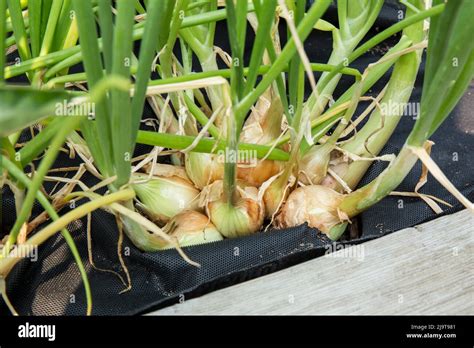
pixel 258 174
pixel 203 168
pixel 242 218
pixel 276 190
pixel 163 197
pixel 313 167
pixel 263 126
pixel 191 228
pixel 314 204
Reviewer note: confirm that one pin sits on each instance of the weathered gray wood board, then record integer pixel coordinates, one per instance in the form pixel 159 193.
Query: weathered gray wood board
pixel 427 269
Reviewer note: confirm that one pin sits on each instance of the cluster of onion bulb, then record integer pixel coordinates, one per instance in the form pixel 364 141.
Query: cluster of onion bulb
pixel 190 202
pixel 192 207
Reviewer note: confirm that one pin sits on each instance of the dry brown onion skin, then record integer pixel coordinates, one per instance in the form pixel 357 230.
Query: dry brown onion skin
pixel 314 204
pixel 313 167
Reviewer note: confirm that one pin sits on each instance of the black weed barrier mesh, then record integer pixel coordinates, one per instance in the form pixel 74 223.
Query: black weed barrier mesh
pixel 52 285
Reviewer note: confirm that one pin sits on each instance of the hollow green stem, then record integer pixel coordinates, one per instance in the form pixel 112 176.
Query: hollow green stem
pixel 357 201
pixel 263 69
pixel 230 166
pixel 444 44
pixel 354 24
pixel 304 29
pixel 59 56
pixel 200 116
pixel 51 27
pixel 373 76
pixel 48 36
pixel 379 128
pixel 107 33
pixel 436 10
pixel 157 12
pixel 40 142
pixel 121 109
pixel 103 152
pixel 166 52
pixel 205 145
pixel 19 30
pixel 34 17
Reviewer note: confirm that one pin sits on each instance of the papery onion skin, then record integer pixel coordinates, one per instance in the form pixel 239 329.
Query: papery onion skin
pixel 340 169
pixel 192 228
pixel 256 176
pixel 203 168
pixel 314 204
pixel 313 167
pixel 272 197
pixel 275 194
pixel 263 126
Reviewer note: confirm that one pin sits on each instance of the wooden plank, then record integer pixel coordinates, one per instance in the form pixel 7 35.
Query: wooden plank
pixel 427 269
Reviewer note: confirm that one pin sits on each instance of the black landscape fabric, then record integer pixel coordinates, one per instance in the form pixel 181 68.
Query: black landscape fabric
pixel 52 285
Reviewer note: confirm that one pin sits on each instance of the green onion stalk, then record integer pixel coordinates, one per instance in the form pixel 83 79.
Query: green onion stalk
pixel 368 141
pixel 321 155
pixel 200 40
pixel 355 20
pixel 438 99
pixel 314 164
pixel 276 189
pixel 59 60
pixel 448 38
pixel 264 124
pixel 234 212
pixel 312 170
pixel 166 53
pixel 13 165
pixel 168 34
pixel 371 139
pixel 204 169
pixel 118 116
